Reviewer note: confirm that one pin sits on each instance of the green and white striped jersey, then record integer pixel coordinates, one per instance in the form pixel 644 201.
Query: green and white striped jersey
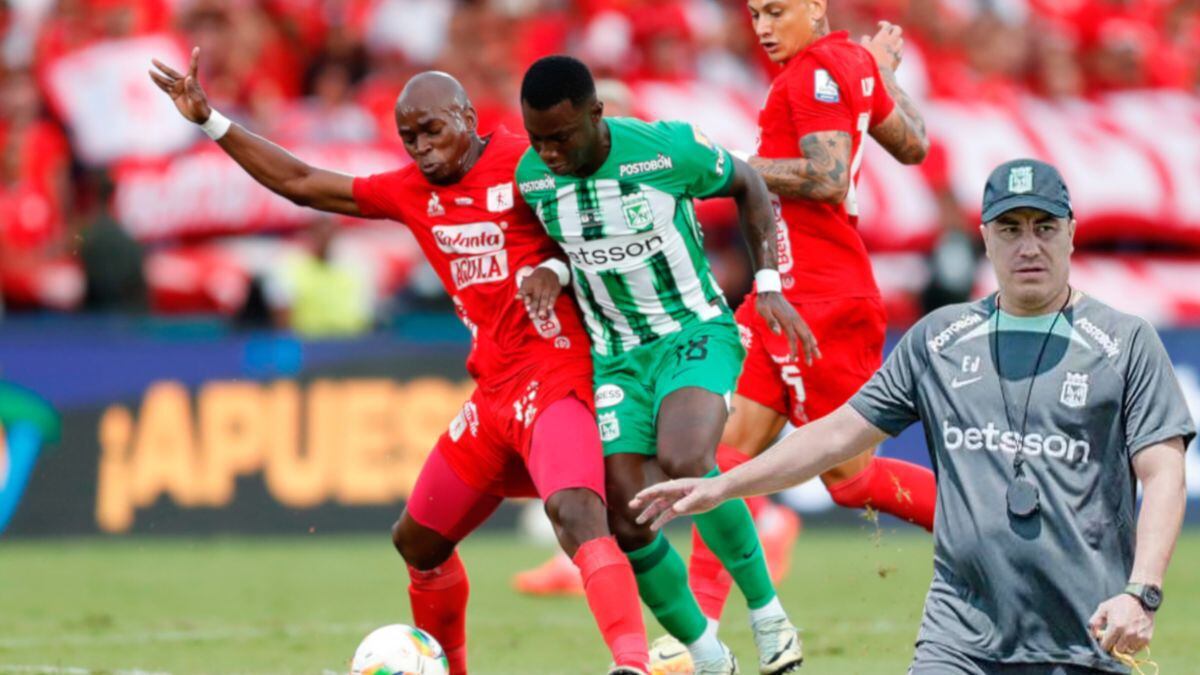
pixel 630 230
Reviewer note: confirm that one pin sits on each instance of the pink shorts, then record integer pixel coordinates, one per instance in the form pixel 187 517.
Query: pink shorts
pixel 564 453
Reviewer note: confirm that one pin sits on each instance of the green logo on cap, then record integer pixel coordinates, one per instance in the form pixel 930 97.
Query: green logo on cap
pixel 1020 179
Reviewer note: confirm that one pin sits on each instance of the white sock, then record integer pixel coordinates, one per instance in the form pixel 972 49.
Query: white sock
pixel 771 610
pixel 707 646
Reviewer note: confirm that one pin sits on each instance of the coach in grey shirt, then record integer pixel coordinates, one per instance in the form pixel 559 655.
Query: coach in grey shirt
pixel 1042 408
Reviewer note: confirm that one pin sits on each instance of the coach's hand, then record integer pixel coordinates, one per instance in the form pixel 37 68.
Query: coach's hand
pixel 184 90
pixel 539 290
pixel 1122 624
pixel 886 45
pixel 783 319
pixel 664 502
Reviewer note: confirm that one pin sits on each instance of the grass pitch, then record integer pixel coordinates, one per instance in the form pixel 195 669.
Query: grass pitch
pixel 300 605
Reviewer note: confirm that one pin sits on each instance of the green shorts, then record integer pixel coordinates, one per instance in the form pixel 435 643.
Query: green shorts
pixel 630 387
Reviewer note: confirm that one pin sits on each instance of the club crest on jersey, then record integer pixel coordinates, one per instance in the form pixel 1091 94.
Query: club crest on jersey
pixel 500 197
pixel 434 207
pixel 824 87
pixel 610 427
pixel 1020 179
pixel 1074 390
pixel 636 209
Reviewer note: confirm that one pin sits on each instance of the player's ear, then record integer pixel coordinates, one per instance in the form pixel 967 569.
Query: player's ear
pixel 471 118
pixel 1071 230
pixel 817 9
pixel 983 234
pixel 597 110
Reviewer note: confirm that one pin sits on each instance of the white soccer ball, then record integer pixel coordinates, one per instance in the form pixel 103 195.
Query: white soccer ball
pixel 668 656
pixel 399 650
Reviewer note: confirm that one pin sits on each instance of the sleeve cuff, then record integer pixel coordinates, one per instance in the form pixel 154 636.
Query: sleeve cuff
pixel 1180 431
pixel 723 188
pixel 872 416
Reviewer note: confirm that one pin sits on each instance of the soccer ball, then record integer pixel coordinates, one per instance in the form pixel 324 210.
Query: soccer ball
pixel 669 657
pixel 399 650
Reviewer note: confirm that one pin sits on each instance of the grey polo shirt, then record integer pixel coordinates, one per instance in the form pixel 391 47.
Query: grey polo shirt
pixel 1012 589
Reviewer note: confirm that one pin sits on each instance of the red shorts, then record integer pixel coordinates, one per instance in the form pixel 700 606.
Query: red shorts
pixel 529 442
pixel 850 333
pixel 488 443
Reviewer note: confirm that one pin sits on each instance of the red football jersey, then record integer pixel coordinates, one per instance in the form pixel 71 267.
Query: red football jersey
pixel 833 85
pixel 481 238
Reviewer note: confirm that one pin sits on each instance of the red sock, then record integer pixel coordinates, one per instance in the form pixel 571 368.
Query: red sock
pixel 612 596
pixel 707 578
pixel 439 607
pixel 902 489
pixel 709 581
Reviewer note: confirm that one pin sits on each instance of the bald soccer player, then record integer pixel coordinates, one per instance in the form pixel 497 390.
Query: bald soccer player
pixel 529 428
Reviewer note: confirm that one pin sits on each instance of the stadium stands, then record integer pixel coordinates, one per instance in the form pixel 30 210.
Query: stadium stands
pixel 1107 89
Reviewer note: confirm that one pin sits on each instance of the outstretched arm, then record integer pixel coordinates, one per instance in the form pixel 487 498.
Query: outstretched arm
pixel 275 168
pixel 801 455
pixel 902 132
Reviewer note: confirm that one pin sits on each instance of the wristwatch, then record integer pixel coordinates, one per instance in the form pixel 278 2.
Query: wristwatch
pixel 1148 594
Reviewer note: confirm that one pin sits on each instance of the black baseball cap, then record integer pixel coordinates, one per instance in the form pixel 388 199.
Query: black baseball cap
pixel 1025 183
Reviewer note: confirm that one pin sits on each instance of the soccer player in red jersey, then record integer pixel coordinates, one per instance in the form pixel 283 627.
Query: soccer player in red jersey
pixel 529 428
pixel 831 93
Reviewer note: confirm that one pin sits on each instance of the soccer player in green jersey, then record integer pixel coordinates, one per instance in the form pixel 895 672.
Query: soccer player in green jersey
pixel 616 194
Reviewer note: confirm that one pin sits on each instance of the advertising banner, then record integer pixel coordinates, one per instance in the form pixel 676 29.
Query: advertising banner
pixel 117 433
pixel 251 435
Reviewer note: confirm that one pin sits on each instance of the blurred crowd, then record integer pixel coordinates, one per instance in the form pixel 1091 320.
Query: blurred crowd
pixel 329 71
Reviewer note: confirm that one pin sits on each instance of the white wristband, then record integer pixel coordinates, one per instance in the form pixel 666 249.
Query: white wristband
pixel 768 281
pixel 560 270
pixel 216 126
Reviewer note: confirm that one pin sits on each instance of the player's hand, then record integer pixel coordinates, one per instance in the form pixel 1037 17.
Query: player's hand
pixel 184 90
pixel 783 319
pixel 662 503
pixel 539 290
pixel 1122 624
pixel 886 45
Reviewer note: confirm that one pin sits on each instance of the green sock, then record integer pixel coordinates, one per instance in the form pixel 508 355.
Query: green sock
pixel 730 533
pixel 662 583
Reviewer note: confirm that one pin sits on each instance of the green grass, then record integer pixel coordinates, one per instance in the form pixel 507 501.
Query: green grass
pixel 300 605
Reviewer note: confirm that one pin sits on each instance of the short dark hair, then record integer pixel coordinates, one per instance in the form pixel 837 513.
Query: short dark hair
pixel 554 79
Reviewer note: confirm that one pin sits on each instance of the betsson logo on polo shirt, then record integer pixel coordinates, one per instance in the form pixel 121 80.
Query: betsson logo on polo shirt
pixel 992 439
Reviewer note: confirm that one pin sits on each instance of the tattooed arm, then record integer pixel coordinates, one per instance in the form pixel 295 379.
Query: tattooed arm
pixel 822 175
pixel 757 220
pixel 901 133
